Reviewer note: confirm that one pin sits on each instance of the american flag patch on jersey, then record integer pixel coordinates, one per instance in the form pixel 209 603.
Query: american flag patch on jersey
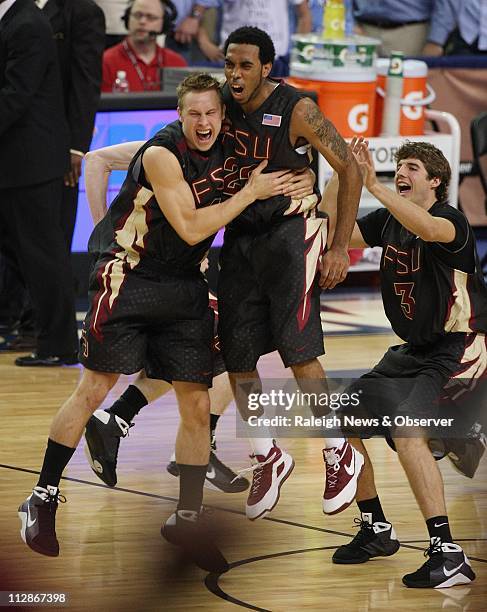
pixel 274 120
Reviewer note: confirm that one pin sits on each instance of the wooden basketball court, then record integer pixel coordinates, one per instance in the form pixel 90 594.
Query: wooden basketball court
pixel 113 557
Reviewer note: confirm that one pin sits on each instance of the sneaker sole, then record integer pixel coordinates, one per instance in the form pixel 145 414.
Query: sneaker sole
pixel 95 468
pixel 451 582
pixel 220 568
pixel 282 480
pixel 347 503
pixel 237 489
pixel 23 534
pixel 369 557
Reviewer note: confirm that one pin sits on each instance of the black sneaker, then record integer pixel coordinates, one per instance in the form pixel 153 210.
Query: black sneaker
pixel 102 435
pixel 187 530
pixel 219 477
pixel 38 517
pixel 373 540
pixel 447 566
pixel 465 454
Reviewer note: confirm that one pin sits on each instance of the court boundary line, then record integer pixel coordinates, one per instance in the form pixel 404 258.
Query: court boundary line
pixel 211 580
pixel 405 543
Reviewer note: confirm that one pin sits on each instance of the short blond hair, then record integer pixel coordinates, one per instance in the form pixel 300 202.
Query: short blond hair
pixel 198 81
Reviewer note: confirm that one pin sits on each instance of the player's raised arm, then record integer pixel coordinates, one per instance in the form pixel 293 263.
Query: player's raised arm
pixel 98 166
pixel 176 200
pixel 309 123
pixel 411 212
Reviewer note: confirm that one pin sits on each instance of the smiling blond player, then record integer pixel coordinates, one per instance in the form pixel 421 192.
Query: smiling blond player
pixel 149 307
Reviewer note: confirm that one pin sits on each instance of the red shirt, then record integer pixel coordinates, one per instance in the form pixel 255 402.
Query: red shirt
pixel 145 77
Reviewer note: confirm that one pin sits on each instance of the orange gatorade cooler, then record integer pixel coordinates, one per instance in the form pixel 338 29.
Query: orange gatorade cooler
pixel 347 98
pixel 415 89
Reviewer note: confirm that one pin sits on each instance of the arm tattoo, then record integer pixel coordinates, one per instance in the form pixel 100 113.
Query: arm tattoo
pixel 326 131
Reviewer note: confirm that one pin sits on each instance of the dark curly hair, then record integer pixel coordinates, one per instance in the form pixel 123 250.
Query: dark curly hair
pixel 434 161
pixel 249 35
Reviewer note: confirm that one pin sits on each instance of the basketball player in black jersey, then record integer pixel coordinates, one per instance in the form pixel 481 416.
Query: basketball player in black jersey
pixel 103 439
pixel 149 307
pixel 436 301
pixel 273 256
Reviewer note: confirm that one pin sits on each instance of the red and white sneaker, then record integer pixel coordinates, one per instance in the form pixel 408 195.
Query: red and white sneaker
pixel 269 474
pixel 343 468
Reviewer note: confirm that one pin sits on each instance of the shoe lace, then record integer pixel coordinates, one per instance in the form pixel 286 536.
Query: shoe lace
pixel 50 497
pixel 206 514
pixel 206 521
pixel 124 426
pixel 364 532
pixel 332 460
pixel 258 470
pixel 433 549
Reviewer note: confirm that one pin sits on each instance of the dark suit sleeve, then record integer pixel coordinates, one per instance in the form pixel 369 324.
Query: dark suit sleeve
pixel 88 42
pixel 25 67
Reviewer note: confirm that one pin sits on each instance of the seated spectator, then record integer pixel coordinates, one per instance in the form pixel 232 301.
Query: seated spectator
pixel 115 28
pixel 273 18
pixel 184 37
pixel 208 39
pixel 401 25
pixel 138 54
pixel 458 27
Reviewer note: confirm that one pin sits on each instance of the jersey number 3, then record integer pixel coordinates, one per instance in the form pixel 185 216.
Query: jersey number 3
pixel 405 291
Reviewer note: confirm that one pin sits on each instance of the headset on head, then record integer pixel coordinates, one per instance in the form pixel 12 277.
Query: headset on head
pixel 170 15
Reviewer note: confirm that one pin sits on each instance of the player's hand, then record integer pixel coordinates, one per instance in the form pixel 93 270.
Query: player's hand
pixel 71 177
pixel 263 186
pixel 432 49
pixel 360 150
pixel 333 267
pixel 300 183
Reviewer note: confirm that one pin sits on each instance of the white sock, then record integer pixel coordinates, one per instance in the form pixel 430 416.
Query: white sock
pixel 334 442
pixel 261 446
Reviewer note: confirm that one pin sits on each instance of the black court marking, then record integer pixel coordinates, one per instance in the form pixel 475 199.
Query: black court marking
pixel 404 544
pixel 211 580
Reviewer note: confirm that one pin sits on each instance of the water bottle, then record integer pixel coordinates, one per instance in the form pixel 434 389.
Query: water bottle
pixel 121 84
pixel 391 117
pixel 334 19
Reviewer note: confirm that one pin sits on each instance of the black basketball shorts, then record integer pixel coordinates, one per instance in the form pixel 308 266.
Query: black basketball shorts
pixel 138 321
pixel 268 293
pixel 419 382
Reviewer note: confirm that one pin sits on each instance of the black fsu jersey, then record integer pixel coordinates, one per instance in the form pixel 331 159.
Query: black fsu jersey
pixel 135 229
pixel 428 290
pixel 264 134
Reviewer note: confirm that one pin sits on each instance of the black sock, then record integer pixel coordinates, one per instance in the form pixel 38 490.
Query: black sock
pixel 191 481
pixel 213 423
pixel 372 506
pixel 56 458
pixel 128 404
pixel 438 527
